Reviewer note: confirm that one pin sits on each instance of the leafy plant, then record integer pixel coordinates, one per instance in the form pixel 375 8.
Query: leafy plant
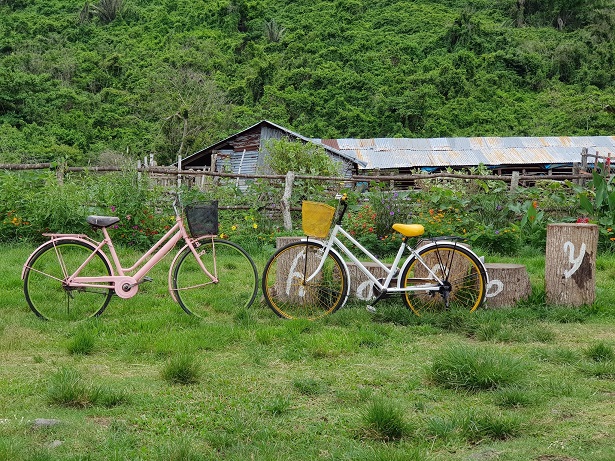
pixel 599 203
pixel 283 155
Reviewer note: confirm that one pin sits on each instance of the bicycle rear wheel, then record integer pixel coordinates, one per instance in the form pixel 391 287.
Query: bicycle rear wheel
pixel 463 275
pixel 235 270
pixel 46 292
pixel 288 293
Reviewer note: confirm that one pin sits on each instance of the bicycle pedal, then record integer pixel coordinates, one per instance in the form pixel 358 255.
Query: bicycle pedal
pixel 145 279
pixel 370 308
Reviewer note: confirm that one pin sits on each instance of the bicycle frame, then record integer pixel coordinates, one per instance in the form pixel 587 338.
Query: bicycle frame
pixel 391 272
pixel 125 286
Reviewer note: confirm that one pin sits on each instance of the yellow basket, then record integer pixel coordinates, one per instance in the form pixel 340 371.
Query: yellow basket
pixel 317 218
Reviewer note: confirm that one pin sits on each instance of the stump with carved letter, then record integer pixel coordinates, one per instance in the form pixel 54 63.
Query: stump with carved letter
pixel 508 284
pixel 570 264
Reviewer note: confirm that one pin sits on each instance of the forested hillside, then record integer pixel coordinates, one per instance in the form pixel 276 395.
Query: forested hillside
pixel 90 82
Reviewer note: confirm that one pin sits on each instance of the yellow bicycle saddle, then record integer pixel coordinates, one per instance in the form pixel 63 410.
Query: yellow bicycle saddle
pixel 409 230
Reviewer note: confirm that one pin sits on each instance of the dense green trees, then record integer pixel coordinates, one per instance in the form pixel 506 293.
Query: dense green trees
pixel 79 78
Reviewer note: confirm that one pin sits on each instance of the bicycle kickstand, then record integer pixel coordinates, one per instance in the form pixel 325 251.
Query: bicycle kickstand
pixel 371 307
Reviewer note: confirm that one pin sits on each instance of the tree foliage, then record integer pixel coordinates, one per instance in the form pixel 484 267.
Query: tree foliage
pixel 174 76
pixel 284 155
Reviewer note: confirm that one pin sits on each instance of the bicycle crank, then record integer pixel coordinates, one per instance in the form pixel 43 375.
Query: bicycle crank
pixel 126 287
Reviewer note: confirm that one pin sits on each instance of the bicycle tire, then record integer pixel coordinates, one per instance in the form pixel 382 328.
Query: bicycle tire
pixel 235 270
pixel 463 274
pixel 284 287
pixel 47 295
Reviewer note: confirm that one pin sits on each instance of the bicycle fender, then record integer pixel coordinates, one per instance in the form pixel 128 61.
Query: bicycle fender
pixel 73 238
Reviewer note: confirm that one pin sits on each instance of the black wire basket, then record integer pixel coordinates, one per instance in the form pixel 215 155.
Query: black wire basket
pixel 202 218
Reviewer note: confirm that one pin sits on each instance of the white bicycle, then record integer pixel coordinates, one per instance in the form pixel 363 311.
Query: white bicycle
pixel 310 278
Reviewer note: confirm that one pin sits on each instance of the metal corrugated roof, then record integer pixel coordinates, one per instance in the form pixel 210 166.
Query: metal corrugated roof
pixel 386 153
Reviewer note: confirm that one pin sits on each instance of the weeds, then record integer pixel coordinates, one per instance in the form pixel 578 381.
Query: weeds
pixel 182 369
pixel 467 368
pixel 600 352
pixel 384 421
pixel 68 388
pixel 82 343
pixel 309 386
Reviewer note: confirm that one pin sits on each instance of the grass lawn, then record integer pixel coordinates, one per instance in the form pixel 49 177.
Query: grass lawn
pixel 147 381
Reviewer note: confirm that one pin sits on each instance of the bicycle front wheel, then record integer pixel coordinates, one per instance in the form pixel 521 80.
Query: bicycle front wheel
pixel 289 293
pixel 234 269
pixel 464 280
pixel 46 291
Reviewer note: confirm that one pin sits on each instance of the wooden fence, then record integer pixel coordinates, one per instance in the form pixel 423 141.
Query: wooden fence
pixel 169 175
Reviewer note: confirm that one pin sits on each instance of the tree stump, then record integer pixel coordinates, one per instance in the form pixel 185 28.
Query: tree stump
pixel 570 264
pixel 508 284
pixel 360 286
pixel 291 266
pixel 283 241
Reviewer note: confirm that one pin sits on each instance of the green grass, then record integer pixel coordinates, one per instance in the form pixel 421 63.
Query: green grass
pixel 182 369
pixel 147 381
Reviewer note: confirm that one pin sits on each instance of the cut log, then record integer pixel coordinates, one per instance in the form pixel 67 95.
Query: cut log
pixel 360 286
pixel 508 284
pixel 570 264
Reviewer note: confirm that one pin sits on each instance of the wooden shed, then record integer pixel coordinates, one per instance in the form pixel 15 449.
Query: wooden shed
pixel 244 152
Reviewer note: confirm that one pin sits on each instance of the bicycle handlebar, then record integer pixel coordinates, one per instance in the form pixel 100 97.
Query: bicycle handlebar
pixel 344 202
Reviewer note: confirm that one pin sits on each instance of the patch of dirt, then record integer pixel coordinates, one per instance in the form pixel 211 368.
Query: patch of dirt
pixel 101 421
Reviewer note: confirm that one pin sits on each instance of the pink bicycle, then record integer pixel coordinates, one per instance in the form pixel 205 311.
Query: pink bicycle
pixel 70 277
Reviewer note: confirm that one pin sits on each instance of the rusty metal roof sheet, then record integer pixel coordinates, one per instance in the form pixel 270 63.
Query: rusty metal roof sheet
pixel 385 153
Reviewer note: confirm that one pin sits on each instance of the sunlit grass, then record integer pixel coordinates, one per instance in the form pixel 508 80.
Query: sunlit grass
pixel 147 381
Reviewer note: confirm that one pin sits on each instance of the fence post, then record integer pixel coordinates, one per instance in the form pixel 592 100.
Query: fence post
pixel 60 171
pixel 288 190
pixel 514 181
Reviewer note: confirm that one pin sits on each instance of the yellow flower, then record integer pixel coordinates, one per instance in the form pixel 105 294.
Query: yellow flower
pixel 255 226
pixel 233 228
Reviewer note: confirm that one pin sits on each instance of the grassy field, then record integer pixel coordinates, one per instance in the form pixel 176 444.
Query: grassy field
pixel 146 381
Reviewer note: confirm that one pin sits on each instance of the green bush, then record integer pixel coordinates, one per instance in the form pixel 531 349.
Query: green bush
pixel 488 218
